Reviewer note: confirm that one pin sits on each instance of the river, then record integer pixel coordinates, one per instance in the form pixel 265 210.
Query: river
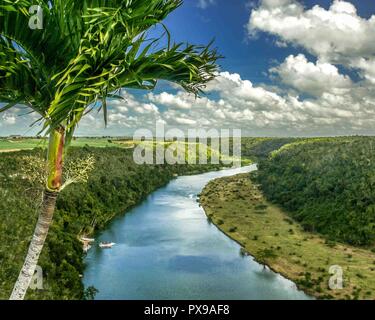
pixel 166 249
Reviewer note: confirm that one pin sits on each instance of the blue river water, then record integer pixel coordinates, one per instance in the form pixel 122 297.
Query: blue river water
pixel 166 249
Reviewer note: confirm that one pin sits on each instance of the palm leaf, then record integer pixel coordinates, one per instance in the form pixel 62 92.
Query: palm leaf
pixel 87 50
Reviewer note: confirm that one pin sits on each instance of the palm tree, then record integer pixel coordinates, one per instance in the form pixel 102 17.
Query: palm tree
pixel 86 51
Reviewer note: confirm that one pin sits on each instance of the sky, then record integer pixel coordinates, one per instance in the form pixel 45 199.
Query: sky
pixel 290 68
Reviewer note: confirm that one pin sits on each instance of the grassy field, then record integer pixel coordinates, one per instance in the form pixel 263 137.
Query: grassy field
pixel 237 207
pixel 20 144
pixel 31 143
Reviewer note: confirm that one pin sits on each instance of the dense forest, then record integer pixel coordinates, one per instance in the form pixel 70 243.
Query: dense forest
pixel 258 149
pixel 328 185
pixel 115 185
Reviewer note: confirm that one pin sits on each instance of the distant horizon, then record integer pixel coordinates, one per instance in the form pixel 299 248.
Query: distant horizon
pixel 131 138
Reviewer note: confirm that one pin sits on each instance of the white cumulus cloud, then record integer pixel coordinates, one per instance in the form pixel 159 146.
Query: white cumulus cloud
pixel 238 103
pixel 310 96
pixel 312 78
pixel 9 119
pixel 335 34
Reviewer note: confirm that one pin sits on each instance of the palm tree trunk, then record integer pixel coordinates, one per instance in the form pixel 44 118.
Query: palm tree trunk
pixel 54 181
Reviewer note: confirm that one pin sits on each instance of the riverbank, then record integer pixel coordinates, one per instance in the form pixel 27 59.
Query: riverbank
pixel 237 207
pixel 115 186
pixel 195 260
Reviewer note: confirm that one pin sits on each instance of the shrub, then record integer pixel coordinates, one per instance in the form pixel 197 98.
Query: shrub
pixel 233 229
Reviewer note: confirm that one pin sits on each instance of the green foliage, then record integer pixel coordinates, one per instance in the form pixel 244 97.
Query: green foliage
pixel 260 207
pixel 265 254
pixel 87 51
pixel 90 293
pixel 115 185
pixel 260 148
pixel 328 185
pixel 220 222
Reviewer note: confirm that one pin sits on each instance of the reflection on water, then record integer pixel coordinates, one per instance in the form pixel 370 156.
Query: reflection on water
pixel 194 264
pixel 166 249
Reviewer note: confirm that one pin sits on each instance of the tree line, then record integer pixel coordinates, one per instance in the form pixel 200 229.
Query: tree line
pixel 328 185
pixel 114 186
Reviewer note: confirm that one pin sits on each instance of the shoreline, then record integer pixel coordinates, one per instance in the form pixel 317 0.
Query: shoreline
pixel 189 172
pixel 262 263
pixel 220 209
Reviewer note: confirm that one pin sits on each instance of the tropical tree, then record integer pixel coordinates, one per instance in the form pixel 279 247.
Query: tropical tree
pixel 72 58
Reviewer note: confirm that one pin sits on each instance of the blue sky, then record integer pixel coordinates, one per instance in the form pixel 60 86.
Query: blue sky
pixel 291 68
pixel 225 21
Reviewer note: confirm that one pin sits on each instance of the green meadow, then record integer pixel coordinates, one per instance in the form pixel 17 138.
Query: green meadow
pixel 15 144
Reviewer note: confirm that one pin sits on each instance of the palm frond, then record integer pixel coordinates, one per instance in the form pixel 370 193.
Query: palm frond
pixel 87 50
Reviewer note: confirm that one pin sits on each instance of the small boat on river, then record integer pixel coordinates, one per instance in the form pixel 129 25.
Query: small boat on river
pixel 106 245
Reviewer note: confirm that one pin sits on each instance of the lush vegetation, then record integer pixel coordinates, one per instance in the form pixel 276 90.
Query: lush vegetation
pixel 81 55
pixel 237 206
pixel 260 148
pixel 328 185
pixel 115 185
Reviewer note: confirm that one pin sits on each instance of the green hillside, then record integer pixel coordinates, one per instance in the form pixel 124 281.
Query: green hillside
pixel 115 185
pixel 326 184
